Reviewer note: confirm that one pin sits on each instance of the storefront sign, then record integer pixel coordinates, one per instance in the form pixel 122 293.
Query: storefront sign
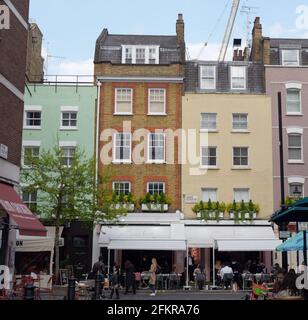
pixel 190 199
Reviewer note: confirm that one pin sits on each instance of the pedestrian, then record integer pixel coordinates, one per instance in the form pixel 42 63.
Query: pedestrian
pixel 152 282
pixel 98 269
pixel 115 282
pixel 288 289
pixel 200 277
pixel 130 278
pixel 191 266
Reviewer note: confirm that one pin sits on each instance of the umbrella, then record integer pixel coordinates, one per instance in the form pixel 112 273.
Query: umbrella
pixel 296 243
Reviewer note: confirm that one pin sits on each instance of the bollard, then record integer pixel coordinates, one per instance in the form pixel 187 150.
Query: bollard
pixel 29 292
pixel 71 291
pixel 98 287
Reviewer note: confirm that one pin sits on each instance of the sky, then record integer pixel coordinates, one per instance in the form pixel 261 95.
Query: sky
pixel 71 27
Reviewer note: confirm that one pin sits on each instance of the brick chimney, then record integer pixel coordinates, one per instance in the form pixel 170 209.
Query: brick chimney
pixel 257 37
pixel 180 35
pixel 238 55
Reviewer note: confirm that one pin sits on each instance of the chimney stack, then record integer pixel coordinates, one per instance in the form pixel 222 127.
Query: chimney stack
pixel 180 35
pixel 257 37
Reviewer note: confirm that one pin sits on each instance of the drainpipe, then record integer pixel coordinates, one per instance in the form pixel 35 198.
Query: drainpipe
pixel 99 84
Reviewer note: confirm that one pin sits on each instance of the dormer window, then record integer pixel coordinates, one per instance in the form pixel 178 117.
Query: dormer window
pixel 290 57
pixel 140 54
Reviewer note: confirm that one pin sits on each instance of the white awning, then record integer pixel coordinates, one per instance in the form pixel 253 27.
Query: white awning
pixel 247 245
pixel 232 237
pixel 148 244
pixel 131 237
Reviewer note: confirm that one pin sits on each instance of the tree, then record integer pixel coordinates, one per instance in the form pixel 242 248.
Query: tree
pixel 68 190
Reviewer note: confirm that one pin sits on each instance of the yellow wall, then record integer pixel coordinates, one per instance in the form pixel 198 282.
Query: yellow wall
pixel 259 140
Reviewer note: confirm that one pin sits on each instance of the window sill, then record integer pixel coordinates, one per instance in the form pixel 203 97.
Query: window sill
pixel 240 131
pixel 156 162
pixel 32 128
pixel 241 168
pixel 157 114
pixel 68 128
pixel 121 162
pixel 294 114
pixel 208 168
pixel 123 114
pixel 208 131
pixel 296 162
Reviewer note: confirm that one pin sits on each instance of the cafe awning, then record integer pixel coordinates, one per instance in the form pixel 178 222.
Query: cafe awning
pixel 148 244
pixel 247 245
pixel 20 215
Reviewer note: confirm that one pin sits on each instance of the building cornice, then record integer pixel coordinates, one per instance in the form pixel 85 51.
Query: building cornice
pixel 140 79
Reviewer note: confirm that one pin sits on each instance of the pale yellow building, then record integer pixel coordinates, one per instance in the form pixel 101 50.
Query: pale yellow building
pixel 224 122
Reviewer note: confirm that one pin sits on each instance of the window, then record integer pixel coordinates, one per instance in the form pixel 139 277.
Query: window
pixel 30 200
pixel 290 57
pixel 296 190
pixel 209 157
pixel 69 119
pixel 238 78
pixel 157 148
pixel 240 157
pixel 157 101
pixel 121 187
pixel 129 55
pixel 156 187
pixel 80 241
pixel 208 77
pixel 295 147
pixel 209 194
pixel 122 147
pixel 33 119
pixel 240 121
pixel 30 152
pixel 140 55
pixel 293 101
pixel 241 195
pixel 124 101
pixel 152 56
pixel 68 154
pixel 209 121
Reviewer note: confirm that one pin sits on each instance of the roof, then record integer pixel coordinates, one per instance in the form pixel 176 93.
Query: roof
pixel 276 42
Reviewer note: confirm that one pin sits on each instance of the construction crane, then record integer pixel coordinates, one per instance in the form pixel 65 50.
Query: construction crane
pixel 229 29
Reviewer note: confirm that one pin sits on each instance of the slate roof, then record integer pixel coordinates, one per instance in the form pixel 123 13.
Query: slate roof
pixel 275 43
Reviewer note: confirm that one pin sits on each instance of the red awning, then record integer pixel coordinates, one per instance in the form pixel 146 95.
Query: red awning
pixel 26 221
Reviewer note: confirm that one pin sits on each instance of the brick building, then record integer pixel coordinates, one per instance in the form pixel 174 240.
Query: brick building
pixel 35 62
pixel 141 85
pixel 15 218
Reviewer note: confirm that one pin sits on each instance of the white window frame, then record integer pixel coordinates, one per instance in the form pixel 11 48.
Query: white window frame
pixel 202 87
pixel 116 112
pixel 248 158
pixel 32 109
pixel 120 161
pixel 66 147
pixel 292 113
pixel 245 78
pixel 236 129
pixel 300 134
pixel 156 182
pixel 209 190
pixel 149 103
pixel 30 202
pixel 32 145
pixel 242 189
pixel 283 52
pixel 206 129
pixel 155 161
pixel 147 53
pixel 62 127
pixel 123 182
pixel 201 158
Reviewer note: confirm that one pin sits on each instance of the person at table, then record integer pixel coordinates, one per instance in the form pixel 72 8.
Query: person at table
pixel 191 266
pixel 275 269
pixel 226 272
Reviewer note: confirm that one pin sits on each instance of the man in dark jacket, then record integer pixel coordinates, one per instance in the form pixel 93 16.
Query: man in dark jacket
pixel 98 269
pixel 130 280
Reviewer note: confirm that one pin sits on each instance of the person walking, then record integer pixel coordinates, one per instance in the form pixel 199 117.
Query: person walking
pixel 191 266
pixel 152 282
pixel 115 282
pixel 98 269
pixel 130 278
pixel 200 277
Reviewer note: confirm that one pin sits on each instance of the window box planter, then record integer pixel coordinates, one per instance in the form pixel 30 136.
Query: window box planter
pixel 212 215
pixel 130 207
pixel 243 216
pixel 153 207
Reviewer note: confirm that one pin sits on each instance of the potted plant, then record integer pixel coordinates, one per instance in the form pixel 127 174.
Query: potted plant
pixel 122 201
pixel 155 203
pixel 209 211
pixel 242 211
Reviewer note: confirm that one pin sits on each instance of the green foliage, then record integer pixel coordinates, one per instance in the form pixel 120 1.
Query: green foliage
pixel 209 210
pixel 240 210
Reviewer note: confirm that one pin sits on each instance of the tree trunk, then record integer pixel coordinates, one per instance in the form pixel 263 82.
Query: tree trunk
pixel 57 253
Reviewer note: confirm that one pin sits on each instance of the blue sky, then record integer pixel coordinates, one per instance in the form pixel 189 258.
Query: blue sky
pixel 71 27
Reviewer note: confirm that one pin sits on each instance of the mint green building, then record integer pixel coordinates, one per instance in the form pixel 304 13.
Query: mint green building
pixel 61 115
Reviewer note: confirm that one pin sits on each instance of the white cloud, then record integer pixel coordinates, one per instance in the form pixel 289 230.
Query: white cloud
pixel 209 52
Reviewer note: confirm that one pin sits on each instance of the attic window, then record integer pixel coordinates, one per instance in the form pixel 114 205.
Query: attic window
pixel 140 54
